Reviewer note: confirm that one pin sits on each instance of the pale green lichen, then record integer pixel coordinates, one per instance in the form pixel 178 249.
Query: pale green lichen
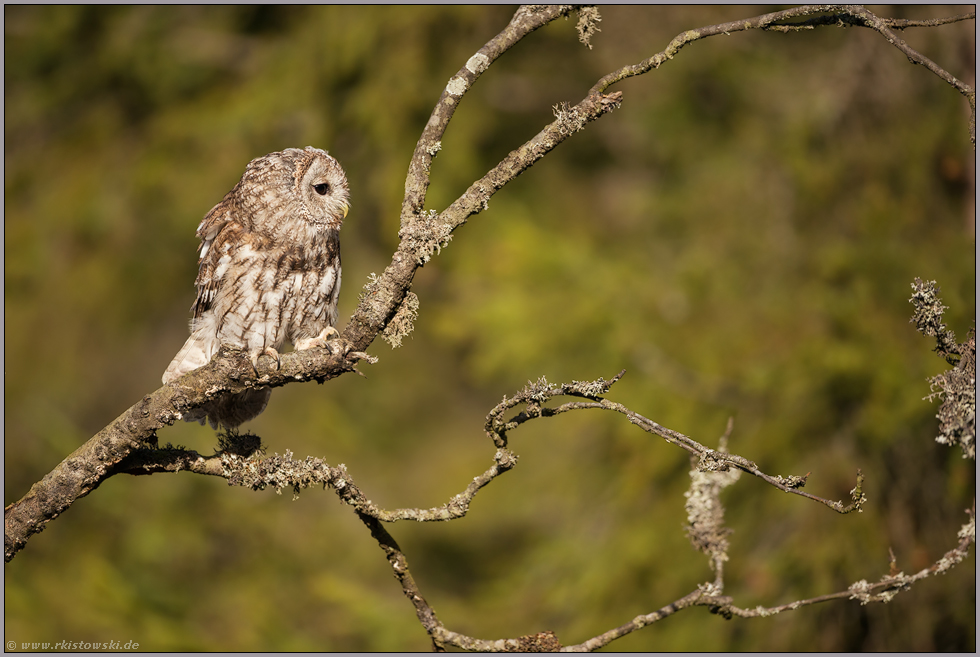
pixel 425 235
pixel 403 323
pixel 956 387
pixel 457 86
pixel 588 24
pixel 706 515
pixel 477 63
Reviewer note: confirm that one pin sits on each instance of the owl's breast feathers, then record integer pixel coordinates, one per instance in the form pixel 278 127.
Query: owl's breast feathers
pixel 229 251
pixel 300 259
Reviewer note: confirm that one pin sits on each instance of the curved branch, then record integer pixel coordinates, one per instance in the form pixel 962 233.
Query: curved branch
pixel 285 472
pixel 841 15
pixel 241 468
pixel 881 26
pixel 708 460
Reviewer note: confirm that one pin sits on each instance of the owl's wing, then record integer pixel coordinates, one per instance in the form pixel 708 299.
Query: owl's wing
pixel 221 236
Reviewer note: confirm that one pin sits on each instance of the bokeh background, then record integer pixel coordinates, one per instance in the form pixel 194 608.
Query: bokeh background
pixel 740 236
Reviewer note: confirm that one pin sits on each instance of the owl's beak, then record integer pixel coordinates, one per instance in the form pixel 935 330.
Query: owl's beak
pixel 346 207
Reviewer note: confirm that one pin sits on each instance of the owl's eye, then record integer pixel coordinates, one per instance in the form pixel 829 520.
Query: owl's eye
pixel 321 189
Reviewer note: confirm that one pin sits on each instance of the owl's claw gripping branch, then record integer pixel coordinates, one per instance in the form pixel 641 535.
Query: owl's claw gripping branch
pixel 319 341
pixel 268 351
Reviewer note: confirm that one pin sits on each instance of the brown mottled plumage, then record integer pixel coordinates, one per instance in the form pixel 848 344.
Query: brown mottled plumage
pixel 269 270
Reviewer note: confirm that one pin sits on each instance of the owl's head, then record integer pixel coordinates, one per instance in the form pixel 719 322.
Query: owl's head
pixel 322 186
pixel 317 189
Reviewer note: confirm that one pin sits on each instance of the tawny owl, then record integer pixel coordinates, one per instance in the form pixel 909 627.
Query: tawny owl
pixel 269 270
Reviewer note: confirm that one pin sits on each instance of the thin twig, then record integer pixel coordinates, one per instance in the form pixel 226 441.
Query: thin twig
pixel 879 25
pixel 847 20
pixel 708 459
pixel 698 597
pixel 525 20
pixel 904 23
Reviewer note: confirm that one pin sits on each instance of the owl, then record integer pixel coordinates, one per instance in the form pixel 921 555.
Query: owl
pixel 269 271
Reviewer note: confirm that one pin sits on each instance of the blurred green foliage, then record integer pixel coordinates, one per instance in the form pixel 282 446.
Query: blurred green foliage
pixel 740 236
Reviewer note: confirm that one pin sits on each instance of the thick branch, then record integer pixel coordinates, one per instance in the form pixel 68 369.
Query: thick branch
pixel 96 460
pixel 92 463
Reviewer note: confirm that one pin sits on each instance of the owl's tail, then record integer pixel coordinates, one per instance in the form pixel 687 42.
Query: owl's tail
pixel 195 353
pixel 228 411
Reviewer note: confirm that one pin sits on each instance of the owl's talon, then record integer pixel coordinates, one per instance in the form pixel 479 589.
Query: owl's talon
pixel 268 351
pixel 361 355
pixel 345 348
pixel 319 341
pixel 274 355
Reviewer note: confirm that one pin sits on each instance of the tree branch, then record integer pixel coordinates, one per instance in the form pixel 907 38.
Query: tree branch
pixel 702 596
pixel 525 20
pixel 420 236
pixel 902 23
pixel 709 595
pixel 422 233
pixel 96 460
pixel 880 26
pixel 708 460
pixel 841 15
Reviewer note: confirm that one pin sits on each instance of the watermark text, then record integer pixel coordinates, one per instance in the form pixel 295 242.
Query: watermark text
pixel 71 645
